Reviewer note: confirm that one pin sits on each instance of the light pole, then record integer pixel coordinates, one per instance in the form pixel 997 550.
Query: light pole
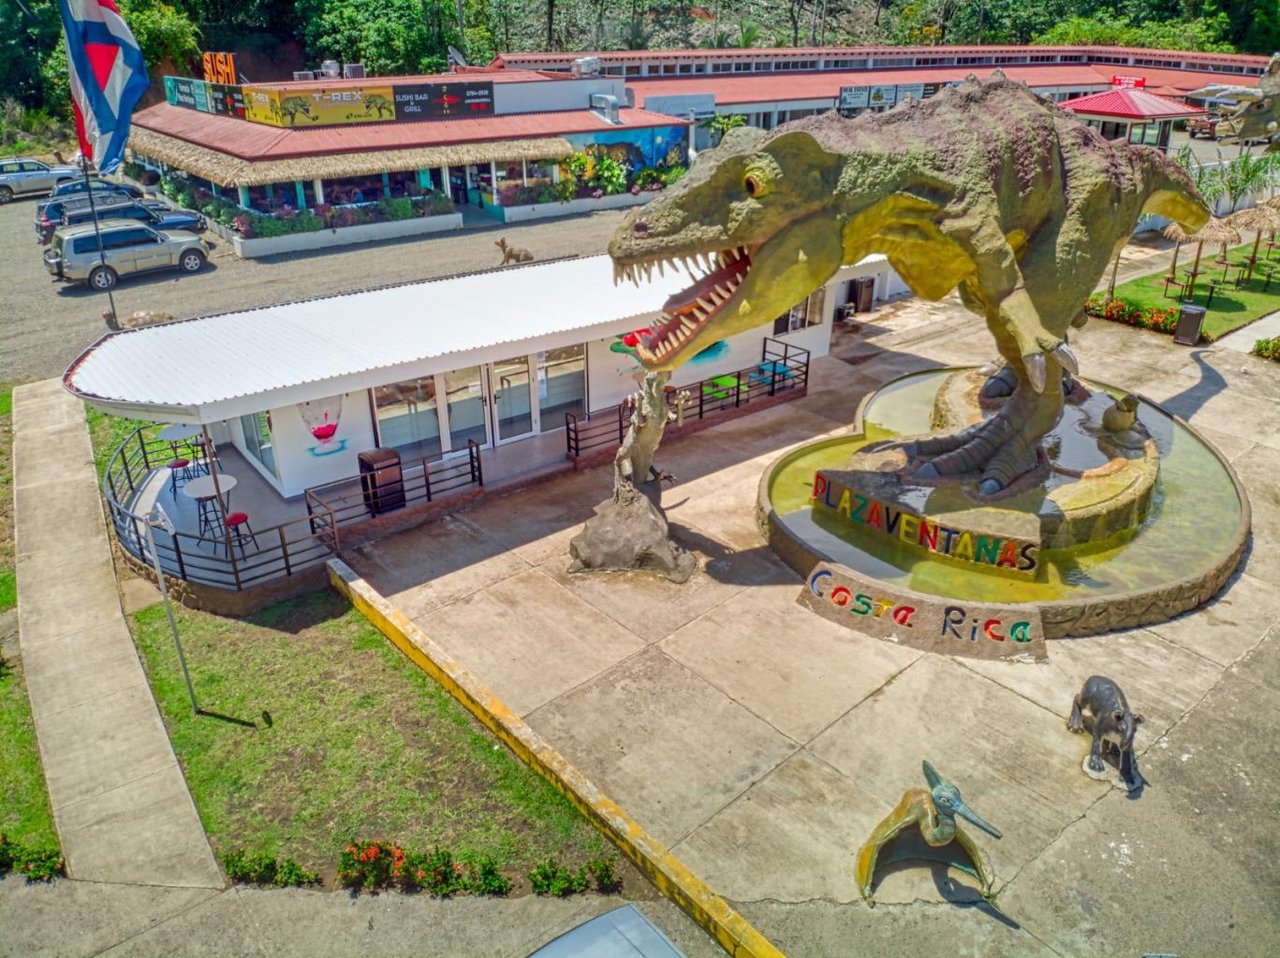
pixel 158 519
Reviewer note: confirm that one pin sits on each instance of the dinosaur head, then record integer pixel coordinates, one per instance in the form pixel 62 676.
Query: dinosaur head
pixel 1256 116
pixel 949 803
pixel 751 223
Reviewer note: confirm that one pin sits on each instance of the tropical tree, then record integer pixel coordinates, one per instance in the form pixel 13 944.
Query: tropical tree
pixel 722 123
pixel 1242 175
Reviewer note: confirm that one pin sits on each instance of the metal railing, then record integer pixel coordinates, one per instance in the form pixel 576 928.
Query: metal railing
pixel 782 368
pixel 356 499
pixel 226 561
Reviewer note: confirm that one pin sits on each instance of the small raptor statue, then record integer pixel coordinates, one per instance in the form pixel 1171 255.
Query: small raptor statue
pixel 934 811
pixel 985 188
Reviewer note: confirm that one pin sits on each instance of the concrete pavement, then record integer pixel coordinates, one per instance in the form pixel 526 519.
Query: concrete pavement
pixel 119 799
pixel 762 744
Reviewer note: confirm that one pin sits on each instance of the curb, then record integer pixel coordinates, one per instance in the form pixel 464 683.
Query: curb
pixel 668 874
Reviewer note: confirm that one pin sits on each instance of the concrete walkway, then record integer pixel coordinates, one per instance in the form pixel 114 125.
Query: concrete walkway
pixel 1242 340
pixel 762 744
pixel 119 798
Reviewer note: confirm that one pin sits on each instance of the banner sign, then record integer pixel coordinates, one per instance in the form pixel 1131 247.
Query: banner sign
pixel 930 623
pixel 333 105
pixel 219 68
pixel 438 101
pixel 854 97
pixel 884 95
pixel 1129 83
pixel 910 89
pixel 227 100
pixel 931 89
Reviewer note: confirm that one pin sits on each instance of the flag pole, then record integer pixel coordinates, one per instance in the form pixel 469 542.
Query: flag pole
pixel 97 232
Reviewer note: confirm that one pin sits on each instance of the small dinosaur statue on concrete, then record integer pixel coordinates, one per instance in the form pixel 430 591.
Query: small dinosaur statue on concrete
pixel 985 187
pixel 513 254
pixel 1112 725
pixel 934 811
pixel 1258 115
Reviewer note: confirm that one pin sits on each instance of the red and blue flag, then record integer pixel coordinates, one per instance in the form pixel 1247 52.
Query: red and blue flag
pixel 108 77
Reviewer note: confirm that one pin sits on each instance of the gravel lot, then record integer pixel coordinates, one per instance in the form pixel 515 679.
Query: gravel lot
pixel 46 324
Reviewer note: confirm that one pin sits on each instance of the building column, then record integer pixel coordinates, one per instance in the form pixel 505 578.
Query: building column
pixel 301 194
pixel 244 197
pixel 524 173
pixel 216 190
pixel 445 186
pixel 386 184
pixel 318 185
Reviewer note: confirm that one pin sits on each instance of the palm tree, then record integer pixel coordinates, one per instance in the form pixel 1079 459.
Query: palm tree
pixel 749 35
pixel 722 123
pixel 1208 184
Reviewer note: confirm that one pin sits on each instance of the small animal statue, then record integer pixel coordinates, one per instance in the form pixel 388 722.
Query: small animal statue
pixel 1112 725
pixel 513 254
pixel 1121 416
pixel 934 811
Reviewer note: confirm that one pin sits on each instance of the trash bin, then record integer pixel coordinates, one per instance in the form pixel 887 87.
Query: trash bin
pixel 1190 320
pixel 381 480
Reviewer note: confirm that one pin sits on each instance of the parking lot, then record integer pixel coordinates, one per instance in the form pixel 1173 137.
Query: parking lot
pixel 47 324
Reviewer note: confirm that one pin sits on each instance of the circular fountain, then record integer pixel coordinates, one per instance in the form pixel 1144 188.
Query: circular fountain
pixel 1130 517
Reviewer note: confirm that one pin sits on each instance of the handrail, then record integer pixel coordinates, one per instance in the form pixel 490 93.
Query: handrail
pixel 275 552
pixel 782 367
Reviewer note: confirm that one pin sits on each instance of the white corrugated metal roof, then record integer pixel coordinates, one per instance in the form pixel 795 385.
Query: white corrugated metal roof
pixel 216 367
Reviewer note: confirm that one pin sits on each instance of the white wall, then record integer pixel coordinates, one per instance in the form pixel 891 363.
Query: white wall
pixel 551 95
pixel 292 442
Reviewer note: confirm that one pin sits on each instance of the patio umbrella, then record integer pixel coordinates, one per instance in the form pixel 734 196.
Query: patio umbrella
pixel 1214 231
pixel 1175 232
pixel 1258 219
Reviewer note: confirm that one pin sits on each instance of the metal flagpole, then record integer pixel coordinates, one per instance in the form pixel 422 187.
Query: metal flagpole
pixel 157 518
pixel 102 256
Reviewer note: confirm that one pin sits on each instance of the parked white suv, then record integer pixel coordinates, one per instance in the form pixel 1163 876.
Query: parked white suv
pixel 127 247
pixel 31 176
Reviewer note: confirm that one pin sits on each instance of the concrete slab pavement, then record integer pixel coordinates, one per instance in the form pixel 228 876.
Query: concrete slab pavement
pixel 765 746
pixel 119 800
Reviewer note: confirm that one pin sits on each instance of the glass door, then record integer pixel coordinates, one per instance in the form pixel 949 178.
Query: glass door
pixel 465 407
pixel 513 411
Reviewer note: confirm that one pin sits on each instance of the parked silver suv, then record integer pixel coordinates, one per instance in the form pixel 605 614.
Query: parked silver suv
pixel 127 247
pixel 31 176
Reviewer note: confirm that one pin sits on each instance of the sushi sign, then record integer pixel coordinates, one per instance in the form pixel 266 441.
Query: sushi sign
pixel 1129 83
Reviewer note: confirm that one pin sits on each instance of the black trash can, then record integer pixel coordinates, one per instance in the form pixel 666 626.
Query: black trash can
pixel 381 480
pixel 1190 321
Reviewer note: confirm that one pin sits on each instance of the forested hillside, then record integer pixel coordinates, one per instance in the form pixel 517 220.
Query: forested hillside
pixel 402 36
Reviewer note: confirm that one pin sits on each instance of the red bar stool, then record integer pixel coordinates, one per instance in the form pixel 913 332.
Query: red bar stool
pixel 239 531
pixel 179 471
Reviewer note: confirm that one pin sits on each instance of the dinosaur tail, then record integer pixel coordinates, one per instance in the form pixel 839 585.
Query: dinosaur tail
pixel 1171 192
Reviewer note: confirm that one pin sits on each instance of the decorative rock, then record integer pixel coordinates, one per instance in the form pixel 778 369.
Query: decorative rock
pixel 629 532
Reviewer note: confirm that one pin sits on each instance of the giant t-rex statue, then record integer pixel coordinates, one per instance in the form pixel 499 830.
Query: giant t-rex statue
pixel 985 187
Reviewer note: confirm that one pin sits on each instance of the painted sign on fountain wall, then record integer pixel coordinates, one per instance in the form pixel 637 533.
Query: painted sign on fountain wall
pixel 931 623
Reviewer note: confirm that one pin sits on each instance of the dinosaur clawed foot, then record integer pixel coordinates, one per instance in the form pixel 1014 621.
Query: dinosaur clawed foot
pixel 993 448
pixel 1035 365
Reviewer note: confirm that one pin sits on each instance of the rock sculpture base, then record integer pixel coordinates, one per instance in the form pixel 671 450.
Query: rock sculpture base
pixel 629 533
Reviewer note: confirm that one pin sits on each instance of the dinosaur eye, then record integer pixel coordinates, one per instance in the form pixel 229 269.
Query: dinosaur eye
pixel 755 185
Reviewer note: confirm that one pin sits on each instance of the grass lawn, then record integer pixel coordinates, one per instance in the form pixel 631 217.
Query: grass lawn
pixel 24 802
pixel 1231 308
pixel 106 433
pixel 359 743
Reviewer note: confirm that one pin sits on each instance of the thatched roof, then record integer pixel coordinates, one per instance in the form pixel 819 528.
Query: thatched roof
pixel 231 171
pixel 1214 231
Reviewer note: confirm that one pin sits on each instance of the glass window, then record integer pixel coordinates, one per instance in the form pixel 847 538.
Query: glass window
pixel 511 397
pixel 562 385
pixel 257 439
pixel 464 392
pixel 801 315
pixel 408 416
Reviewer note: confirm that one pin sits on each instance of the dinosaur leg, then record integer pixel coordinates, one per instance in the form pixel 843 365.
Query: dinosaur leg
pixel 1095 754
pixel 1076 722
pixel 1003 447
pixel 981 864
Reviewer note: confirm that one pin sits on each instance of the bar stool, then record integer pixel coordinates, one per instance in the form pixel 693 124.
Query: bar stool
pixel 199 455
pixel 239 531
pixel 179 471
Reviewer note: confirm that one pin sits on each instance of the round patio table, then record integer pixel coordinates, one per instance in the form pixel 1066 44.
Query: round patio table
pixel 211 511
pixel 178 431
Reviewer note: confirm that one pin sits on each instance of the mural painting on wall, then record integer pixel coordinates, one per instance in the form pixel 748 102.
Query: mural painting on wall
pixel 321 417
pixel 663 146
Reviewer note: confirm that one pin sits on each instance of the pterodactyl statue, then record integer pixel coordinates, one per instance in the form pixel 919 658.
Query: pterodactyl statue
pixel 934 811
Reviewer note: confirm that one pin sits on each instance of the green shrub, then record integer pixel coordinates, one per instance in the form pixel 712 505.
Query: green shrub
pixel 370 865
pixel 672 175
pixel 552 878
pixel 35 863
pixel 400 208
pixel 483 878
pixel 1267 348
pixel 603 875
pixel 259 868
pixel 566 190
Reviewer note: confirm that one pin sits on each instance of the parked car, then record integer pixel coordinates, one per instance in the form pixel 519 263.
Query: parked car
pixel 127 248
pixel 98 186
pixel 154 213
pixel 31 176
pixel 49 213
pixel 1205 125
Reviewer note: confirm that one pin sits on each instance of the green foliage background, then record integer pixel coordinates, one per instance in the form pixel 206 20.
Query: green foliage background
pixel 410 36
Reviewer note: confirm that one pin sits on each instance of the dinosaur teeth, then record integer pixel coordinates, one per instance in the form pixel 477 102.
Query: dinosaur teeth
pixel 709 307
pixel 722 291
pixel 699 313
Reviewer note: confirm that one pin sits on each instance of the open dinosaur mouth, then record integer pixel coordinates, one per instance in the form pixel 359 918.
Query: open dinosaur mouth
pixel 717 277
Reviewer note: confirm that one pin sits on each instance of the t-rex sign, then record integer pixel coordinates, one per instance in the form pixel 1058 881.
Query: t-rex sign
pixel 985 187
